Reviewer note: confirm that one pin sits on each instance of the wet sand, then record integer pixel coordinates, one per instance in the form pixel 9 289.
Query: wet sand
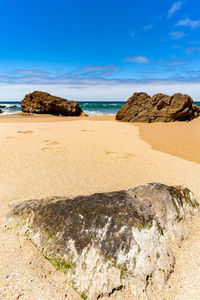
pixel 178 138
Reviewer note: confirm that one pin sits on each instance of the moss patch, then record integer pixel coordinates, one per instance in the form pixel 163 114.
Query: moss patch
pixel 83 296
pixel 61 264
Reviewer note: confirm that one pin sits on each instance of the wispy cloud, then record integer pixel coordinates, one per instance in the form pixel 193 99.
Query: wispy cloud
pixel 176 35
pixel 31 72
pixel 137 59
pixel 96 71
pixel 175 7
pixel 195 42
pixel 191 50
pixel 175 62
pixel 13 86
pixel 190 23
pixel 101 90
pixel 148 27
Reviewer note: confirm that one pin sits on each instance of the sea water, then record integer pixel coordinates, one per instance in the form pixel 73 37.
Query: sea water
pixel 91 108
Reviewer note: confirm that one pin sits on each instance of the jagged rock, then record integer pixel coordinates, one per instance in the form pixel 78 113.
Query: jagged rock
pixel 2 106
pixel 159 108
pixel 102 242
pixel 44 103
pixel 174 206
pixel 13 107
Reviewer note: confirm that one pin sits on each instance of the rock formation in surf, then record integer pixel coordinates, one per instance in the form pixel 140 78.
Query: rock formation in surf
pixel 44 103
pixel 108 241
pixel 159 108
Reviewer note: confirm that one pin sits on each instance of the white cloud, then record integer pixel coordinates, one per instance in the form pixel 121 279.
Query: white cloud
pixel 175 7
pixel 138 59
pixel 191 23
pixel 105 91
pixel 176 35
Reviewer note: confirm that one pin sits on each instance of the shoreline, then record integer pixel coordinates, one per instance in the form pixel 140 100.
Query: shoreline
pixel 41 118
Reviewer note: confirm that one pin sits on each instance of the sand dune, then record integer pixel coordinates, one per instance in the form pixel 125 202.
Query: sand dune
pixel 49 156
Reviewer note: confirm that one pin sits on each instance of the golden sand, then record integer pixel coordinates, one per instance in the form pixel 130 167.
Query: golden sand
pixel 44 156
pixel 179 138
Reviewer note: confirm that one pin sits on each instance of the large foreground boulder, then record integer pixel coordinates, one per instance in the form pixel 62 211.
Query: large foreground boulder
pixel 159 108
pixel 44 103
pixel 106 241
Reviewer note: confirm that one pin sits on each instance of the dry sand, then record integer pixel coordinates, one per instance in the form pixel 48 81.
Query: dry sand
pixel 47 156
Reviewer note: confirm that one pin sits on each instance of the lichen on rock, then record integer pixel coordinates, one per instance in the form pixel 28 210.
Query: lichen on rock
pixel 108 241
pixel 102 241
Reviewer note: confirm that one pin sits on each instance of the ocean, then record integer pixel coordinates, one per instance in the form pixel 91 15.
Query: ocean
pixel 91 108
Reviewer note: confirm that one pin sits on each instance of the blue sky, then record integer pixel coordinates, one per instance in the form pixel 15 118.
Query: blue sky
pixel 99 49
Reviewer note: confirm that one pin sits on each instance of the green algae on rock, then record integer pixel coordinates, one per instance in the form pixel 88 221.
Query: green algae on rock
pixel 102 241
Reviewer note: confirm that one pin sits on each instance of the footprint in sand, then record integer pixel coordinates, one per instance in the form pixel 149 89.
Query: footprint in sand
pixel 47 148
pixel 49 145
pixel 120 155
pixel 11 137
pixel 25 132
pixel 55 148
pixel 88 130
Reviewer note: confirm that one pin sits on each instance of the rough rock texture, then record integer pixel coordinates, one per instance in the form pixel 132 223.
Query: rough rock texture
pixel 173 205
pixel 13 107
pixel 159 108
pixel 102 242
pixel 44 103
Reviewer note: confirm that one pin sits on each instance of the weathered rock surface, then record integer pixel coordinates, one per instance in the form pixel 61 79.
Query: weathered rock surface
pixel 44 103
pixel 103 241
pixel 111 240
pixel 13 107
pixel 159 108
pixel 174 206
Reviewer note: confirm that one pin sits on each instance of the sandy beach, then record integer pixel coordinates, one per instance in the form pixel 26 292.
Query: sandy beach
pixel 44 156
pixel 181 139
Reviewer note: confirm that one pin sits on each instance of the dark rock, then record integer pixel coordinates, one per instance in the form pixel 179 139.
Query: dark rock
pixel 13 107
pixel 1 111
pixel 44 103
pixel 102 241
pixel 159 108
pixel 107 241
pixel 2 106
